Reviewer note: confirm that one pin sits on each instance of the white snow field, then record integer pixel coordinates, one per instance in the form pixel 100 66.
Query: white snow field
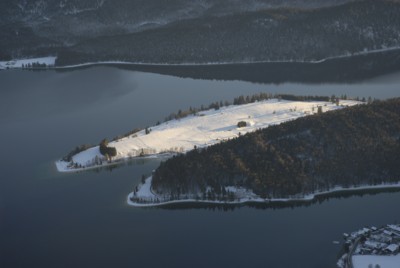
pixel 366 261
pixel 12 64
pixel 201 130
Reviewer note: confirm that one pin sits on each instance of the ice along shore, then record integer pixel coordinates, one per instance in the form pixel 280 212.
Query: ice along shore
pixel 143 196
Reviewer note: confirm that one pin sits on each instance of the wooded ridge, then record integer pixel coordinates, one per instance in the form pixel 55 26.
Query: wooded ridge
pixel 350 147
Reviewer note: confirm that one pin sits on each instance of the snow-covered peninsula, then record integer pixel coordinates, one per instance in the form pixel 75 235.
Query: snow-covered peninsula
pixel 201 130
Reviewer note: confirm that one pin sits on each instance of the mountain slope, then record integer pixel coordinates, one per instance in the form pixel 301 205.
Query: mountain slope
pixel 265 35
pixel 200 31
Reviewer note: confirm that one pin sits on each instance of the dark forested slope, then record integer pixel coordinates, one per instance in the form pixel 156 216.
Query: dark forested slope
pixel 34 27
pixel 349 147
pixel 200 31
pixel 285 34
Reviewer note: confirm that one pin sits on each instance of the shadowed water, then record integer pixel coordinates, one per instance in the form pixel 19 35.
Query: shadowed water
pixel 49 219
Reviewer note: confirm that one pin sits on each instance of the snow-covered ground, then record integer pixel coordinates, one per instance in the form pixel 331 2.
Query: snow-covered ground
pixel 201 130
pixel 145 197
pixel 12 64
pixel 365 261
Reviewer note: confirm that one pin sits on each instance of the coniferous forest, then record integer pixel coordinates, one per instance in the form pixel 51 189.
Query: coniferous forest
pixel 349 147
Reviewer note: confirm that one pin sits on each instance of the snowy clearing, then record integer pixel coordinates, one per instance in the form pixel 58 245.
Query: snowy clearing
pixel 365 261
pixel 12 64
pixel 201 130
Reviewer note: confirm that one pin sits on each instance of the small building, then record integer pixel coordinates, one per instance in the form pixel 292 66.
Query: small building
pixel 376 237
pixel 388 233
pixel 372 244
pixel 392 249
pixel 395 230
pixel 394 227
pixel 386 239
pixel 365 251
pixel 396 234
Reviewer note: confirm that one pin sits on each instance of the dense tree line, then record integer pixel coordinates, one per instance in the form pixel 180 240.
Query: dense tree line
pixel 350 147
pixel 34 65
pixel 242 99
pixel 32 27
pixel 285 34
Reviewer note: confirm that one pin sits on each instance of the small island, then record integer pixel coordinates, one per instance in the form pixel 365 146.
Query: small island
pixel 196 129
pixel 356 148
pixel 372 247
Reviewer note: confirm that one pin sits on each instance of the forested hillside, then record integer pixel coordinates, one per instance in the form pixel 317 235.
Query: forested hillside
pixel 284 34
pixel 37 27
pixel 354 146
pixel 200 31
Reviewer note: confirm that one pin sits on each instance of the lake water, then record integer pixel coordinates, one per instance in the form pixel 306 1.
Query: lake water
pixel 49 219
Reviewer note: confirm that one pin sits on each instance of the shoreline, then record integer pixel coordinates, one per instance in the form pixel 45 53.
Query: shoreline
pixel 60 164
pixel 192 64
pixel 305 199
pixel 361 244
pixel 4 65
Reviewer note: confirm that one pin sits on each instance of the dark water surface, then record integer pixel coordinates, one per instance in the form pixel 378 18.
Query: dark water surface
pixel 48 219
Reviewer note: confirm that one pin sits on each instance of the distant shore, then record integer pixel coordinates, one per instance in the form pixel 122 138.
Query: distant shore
pixel 51 61
pixel 88 64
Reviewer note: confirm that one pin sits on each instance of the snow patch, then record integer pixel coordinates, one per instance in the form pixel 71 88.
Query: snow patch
pixel 365 261
pixel 12 64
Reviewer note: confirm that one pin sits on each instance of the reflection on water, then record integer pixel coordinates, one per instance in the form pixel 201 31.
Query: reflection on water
pixel 44 93
pixel 113 93
pixel 340 70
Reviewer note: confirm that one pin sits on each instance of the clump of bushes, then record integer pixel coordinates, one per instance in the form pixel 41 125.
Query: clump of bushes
pixel 105 150
pixel 241 124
